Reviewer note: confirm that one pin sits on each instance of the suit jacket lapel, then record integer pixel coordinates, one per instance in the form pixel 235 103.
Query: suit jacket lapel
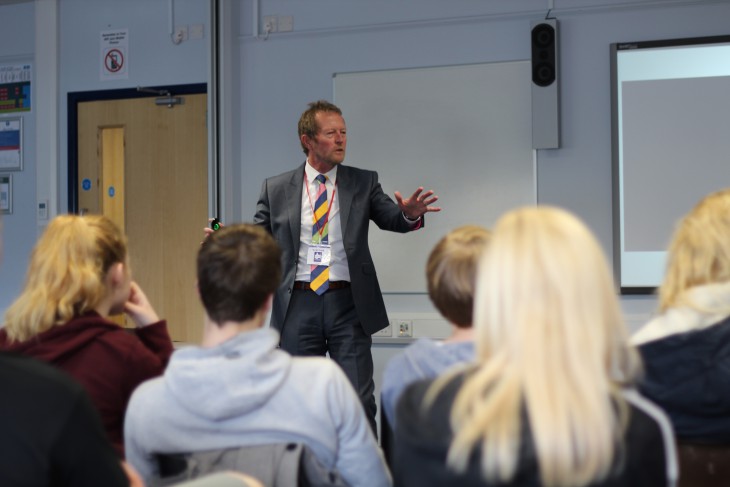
pixel 345 192
pixel 293 194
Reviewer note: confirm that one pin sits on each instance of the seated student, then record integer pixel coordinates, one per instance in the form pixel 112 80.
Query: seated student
pixel 78 276
pixel 238 389
pixel 450 274
pixel 547 402
pixel 686 348
pixel 51 434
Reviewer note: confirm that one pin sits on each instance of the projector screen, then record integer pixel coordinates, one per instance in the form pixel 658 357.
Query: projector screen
pixel 670 145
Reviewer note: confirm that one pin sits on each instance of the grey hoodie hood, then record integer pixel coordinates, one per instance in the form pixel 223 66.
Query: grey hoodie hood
pixel 247 367
pixel 428 358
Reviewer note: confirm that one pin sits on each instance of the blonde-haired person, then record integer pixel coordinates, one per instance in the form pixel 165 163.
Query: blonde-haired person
pixel 78 276
pixel 450 276
pixel 686 348
pixel 548 402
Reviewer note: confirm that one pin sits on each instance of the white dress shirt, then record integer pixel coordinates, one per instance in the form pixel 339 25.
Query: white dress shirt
pixel 338 260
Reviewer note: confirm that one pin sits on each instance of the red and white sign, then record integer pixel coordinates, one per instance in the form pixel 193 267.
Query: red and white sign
pixel 114 54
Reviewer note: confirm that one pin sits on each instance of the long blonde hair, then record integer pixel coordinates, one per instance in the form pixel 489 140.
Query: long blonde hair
pixel 550 342
pixel 66 274
pixel 700 250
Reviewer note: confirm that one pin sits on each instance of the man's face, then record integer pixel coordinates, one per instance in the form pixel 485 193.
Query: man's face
pixel 329 145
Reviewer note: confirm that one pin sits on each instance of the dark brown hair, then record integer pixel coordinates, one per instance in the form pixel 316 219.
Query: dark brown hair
pixel 239 267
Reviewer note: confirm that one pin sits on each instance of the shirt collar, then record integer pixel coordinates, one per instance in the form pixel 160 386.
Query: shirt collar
pixel 312 173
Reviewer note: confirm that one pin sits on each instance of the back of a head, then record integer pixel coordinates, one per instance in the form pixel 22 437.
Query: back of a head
pixel 699 252
pixel 544 284
pixel 451 272
pixel 239 267
pixel 66 273
pixel 549 338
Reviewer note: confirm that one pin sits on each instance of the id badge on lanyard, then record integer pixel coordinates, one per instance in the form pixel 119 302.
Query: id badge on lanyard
pixel 319 254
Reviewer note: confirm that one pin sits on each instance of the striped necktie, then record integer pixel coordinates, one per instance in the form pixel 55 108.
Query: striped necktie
pixel 320 274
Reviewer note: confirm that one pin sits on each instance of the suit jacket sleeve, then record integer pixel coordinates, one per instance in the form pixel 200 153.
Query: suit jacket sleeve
pixel 385 212
pixel 263 208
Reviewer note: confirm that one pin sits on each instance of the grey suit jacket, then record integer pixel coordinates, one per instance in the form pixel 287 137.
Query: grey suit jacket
pixel 361 199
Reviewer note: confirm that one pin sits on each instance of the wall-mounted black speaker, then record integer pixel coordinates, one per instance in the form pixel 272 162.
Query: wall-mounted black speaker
pixel 545 84
pixel 543 54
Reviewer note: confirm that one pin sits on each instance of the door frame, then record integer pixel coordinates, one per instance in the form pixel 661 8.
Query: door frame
pixel 73 100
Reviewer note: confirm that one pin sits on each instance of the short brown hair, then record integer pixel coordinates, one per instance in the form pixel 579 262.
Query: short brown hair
pixel 239 267
pixel 308 122
pixel 451 272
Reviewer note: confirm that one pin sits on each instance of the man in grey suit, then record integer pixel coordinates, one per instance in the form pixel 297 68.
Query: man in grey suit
pixel 339 317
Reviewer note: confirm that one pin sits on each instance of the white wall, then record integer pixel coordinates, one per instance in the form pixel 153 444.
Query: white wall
pixel 17 45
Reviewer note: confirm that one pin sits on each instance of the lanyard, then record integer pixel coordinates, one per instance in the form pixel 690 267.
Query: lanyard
pixel 329 206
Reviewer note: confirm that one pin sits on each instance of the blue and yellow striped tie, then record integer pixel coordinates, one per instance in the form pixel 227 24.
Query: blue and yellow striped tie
pixel 320 274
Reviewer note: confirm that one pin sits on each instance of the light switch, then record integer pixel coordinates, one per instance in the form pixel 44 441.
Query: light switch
pixel 43 210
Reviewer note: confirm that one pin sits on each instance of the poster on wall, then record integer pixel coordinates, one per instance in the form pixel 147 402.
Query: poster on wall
pixel 11 144
pixel 6 193
pixel 15 82
pixel 114 54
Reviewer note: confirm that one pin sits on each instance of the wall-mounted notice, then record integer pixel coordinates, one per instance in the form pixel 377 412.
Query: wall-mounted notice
pixel 11 144
pixel 6 194
pixel 114 54
pixel 15 88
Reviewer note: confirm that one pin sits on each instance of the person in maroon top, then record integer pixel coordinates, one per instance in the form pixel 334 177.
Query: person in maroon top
pixel 78 276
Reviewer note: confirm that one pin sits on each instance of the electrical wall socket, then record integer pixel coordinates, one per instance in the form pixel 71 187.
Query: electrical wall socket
pixel 196 31
pixel 405 328
pixel 385 332
pixel 286 23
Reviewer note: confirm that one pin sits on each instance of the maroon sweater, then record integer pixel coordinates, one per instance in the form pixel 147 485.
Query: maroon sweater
pixel 109 361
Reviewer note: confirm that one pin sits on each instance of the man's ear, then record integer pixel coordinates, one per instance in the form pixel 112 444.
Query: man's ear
pixel 306 141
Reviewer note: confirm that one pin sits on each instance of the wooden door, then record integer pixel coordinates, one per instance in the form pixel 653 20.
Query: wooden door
pixel 145 166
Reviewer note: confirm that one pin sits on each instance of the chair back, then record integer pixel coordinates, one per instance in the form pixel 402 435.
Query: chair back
pixel 275 465
pixel 703 465
pixel 387 438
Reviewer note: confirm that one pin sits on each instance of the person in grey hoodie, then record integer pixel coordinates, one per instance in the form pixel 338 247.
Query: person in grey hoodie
pixel 450 273
pixel 237 389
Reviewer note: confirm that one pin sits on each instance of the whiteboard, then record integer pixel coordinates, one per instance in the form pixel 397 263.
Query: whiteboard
pixel 463 131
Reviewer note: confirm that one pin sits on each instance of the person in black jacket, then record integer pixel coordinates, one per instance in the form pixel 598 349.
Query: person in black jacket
pixel 548 401
pixel 51 433
pixel 686 347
